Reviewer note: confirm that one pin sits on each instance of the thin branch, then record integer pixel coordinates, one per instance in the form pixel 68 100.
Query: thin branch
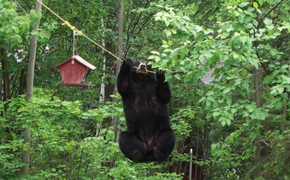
pixel 272 9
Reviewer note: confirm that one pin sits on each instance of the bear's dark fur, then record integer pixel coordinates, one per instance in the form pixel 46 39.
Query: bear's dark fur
pixel 149 136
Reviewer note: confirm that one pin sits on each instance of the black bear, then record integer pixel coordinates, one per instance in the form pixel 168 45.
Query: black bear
pixel 149 136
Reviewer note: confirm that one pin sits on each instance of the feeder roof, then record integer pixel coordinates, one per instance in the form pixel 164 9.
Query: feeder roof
pixel 80 60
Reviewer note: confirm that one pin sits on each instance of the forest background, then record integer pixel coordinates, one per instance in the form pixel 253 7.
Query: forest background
pixel 227 62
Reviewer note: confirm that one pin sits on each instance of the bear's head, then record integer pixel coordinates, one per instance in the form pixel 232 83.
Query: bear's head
pixel 142 70
pixel 141 67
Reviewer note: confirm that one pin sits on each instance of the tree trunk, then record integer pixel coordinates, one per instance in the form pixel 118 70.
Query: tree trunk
pixel 284 120
pixel 102 91
pixel 257 101
pixel 22 80
pixel 120 53
pixel 206 150
pixel 6 85
pixel 30 77
pixel 103 86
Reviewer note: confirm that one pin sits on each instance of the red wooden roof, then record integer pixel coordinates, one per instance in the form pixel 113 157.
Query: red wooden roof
pixel 80 60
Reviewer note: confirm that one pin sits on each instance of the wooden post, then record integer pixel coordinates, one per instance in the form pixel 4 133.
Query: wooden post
pixel 30 77
pixel 190 166
pixel 6 83
pixel 120 53
pixel 257 157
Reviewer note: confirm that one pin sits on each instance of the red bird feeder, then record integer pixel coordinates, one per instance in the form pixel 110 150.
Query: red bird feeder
pixel 74 71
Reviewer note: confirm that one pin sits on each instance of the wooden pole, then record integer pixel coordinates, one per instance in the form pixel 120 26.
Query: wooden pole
pixel 30 77
pixel 103 86
pixel 257 157
pixel 120 53
pixel 6 83
pixel 190 165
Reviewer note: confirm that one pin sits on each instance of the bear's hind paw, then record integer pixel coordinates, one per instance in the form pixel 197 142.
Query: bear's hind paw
pixel 157 154
pixel 136 156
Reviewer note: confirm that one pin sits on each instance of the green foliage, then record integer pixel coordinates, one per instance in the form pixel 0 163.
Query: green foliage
pixel 179 124
pixel 209 50
pixel 12 25
pixel 63 144
pixel 215 61
pixel 276 165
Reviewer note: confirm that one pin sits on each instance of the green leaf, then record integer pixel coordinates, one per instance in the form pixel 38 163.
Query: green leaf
pixel 185 37
pixel 223 123
pixel 186 18
pixel 268 23
pixel 255 22
pixel 243 39
pixel 209 93
pixel 215 114
pixel 268 79
pixel 177 76
pixel 285 66
pixel 226 90
pixel 255 5
pixel 253 135
pixel 228 122
pixel 284 96
pixel 167 32
pixel 224 35
pixel 243 4
pixel 244 72
pixel 280 88
pixel 235 55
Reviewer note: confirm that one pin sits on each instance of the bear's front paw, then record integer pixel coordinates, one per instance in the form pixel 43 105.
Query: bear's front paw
pixel 127 63
pixel 160 75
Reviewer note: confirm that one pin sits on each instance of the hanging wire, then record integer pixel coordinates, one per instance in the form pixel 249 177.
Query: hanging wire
pixel 74 42
pixel 80 33
pixel 20 6
pixel 74 46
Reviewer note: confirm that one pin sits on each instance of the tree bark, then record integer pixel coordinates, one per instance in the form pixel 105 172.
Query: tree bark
pixel 206 150
pixel 30 77
pixel 257 101
pixel 6 85
pixel 22 80
pixel 103 86
pixel 102 91
pixel 283 127
pixel 120 53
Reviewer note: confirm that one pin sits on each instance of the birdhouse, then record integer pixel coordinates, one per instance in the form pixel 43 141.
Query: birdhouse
pixel 74 71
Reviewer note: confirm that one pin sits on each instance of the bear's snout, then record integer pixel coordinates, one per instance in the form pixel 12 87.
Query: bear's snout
pixel 142 66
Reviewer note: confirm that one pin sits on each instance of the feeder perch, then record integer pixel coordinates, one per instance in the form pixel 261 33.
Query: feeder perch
pixel 74 71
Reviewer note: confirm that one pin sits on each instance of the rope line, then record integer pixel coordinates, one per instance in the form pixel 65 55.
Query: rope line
pixel 80 33
pixel 20 6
